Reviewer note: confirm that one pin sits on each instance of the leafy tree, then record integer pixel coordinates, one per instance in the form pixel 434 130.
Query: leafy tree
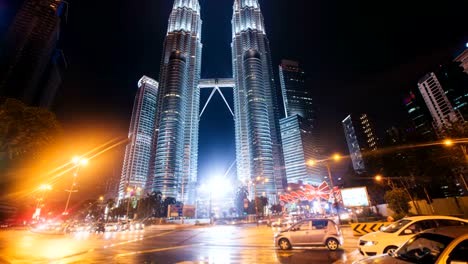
pixel 261 202
pixel 25 132
pixel 25 129
pixel 276 208
pixel 167 201
pixel 241 194
pixel 398 200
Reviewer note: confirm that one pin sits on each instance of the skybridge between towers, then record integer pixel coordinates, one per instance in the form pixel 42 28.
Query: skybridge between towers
pixel 216 84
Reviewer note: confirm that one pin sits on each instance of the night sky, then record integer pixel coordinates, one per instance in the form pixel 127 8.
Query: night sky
pixel 359 56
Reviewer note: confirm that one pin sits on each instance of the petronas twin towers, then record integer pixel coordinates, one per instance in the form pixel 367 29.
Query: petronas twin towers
pixel 171 163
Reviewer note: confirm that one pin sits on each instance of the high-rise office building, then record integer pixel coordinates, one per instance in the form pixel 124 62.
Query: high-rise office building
pixel 32 65
pixel 299 134
pixel 258 145
pixel 299 147
pixel 419 115
pixel 462 59
pixel 138 151
pixel 361 138
pixel 297 97
pixel 437 102
pixel 454 82
pixel 173 169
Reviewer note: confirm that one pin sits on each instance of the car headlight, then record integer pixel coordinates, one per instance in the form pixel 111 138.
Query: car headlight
pixel 371 243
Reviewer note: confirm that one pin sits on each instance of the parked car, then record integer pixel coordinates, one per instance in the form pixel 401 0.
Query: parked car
pixel 391 237
pixel 445 245
pixel 310 232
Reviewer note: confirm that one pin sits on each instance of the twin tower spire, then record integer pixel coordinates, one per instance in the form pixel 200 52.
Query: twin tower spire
pixel 194 5
pixel 247 15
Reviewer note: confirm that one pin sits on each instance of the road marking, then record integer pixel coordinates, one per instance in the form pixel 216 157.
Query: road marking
pixel 155 250
pixel 135 240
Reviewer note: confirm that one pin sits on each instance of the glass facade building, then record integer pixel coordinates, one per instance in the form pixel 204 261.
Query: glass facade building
pixel 298 148
pixel 258 144
pixel 297 97
pixel 361 138
pixel 138 151
pixel 419 115
pixel 437 102
pixel 173 169
pixel 32 49
pixel 299 134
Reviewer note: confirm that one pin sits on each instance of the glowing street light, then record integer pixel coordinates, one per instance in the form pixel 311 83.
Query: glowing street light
pixel 378 177
pixel 448 142
pixel 336 157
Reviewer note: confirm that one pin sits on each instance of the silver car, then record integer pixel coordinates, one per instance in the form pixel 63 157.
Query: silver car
pixel 310 232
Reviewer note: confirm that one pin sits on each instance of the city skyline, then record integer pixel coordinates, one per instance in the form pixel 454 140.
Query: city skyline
pixel 91 82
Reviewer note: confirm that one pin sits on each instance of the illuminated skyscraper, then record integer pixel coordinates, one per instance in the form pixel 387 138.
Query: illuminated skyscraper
pixel 31 70
pixel 140 135
pixel 173 169
pixel 462 59
pixel 258 145
pixel 442 111
pixel 419 115
pixel 298 129
pixel 297 96
pixel 361 138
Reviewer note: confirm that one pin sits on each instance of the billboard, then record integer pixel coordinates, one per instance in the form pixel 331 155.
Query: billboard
pixel 174 210
pixel 188 211
pixel 354 197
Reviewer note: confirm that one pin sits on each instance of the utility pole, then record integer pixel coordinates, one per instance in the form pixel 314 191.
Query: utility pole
pixel 335 202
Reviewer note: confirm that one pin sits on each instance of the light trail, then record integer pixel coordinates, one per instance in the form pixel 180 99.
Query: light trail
pixel 59 171
pixel 84 155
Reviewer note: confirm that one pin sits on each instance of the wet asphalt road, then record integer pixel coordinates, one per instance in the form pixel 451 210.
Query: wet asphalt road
pixel 166 244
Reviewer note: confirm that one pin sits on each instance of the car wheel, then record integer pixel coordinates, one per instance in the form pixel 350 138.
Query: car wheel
pixel 284 244
pixel 332 244
pixel 390 249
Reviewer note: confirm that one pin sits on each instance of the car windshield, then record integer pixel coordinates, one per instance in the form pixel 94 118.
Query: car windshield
pixel 395 226
pixel 423 248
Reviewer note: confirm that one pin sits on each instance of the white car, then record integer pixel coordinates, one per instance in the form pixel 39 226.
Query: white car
pixel 393 236
pixel 446 245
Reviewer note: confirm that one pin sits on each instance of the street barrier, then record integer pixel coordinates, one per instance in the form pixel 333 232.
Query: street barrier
pixel 360 229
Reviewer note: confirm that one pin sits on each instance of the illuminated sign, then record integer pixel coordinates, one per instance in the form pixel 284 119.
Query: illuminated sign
pixel 354 197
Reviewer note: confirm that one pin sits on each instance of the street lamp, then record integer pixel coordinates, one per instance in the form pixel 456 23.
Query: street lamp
pixel 392 186
pixel 129 194
pixel 79 162
pixel 258 180
pixel 44 188
pixel 335 157
pixel 208 188
pixel 448 142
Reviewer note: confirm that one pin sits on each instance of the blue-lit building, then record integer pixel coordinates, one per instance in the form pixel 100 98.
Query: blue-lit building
pixel 297 98
pixel 361 138
pixel 299 134
pixel 299 147
pixel 258 144
pixel 420 116
pixel 139 148
pixel 173 169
